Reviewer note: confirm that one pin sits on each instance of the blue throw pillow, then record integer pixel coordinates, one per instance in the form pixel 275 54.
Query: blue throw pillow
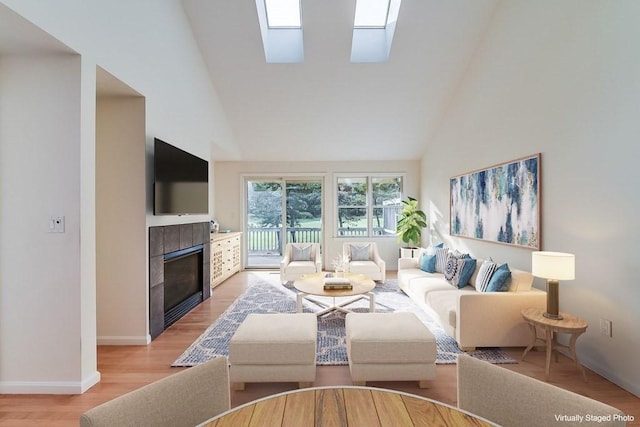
pixel 500 279
pixel 428 263
pixel 467 271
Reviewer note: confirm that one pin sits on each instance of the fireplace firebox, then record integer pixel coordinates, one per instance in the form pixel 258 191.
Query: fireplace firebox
pixel 182 283
pixel 179 272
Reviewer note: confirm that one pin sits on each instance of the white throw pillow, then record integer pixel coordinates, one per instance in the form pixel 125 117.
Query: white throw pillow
pixel 360 253
pixel 484 275
pixel 301 253
pixel 441 259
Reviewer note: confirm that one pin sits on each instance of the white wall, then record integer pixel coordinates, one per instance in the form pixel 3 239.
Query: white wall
pixel 560 78
pixel 149 46
pixel 40 286
pixel 229 193
pixel 122 294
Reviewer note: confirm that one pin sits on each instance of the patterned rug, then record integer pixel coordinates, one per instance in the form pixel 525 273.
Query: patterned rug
pixel 269 296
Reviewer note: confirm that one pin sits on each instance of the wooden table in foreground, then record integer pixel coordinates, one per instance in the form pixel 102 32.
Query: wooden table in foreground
pixel 569 324
pixel 345 406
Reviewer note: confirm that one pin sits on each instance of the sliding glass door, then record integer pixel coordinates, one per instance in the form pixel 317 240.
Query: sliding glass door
pixel 279 212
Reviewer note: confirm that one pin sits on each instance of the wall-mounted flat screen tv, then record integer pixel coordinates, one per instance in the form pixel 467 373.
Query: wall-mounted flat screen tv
pixel 181 181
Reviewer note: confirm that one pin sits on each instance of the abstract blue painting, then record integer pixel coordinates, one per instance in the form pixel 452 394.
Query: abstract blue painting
pixel 499 204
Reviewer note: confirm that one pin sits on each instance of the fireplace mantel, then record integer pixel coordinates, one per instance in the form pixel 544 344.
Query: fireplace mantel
pixel 167 239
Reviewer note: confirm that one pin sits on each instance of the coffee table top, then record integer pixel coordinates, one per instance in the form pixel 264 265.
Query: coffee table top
pixel 314 284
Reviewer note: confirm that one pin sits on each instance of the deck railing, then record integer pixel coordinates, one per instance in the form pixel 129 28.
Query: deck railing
pixel 269 239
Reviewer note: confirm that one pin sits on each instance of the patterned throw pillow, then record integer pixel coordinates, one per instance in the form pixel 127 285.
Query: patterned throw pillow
pixel 451 266
pixel 360 253
pixel 487 269
pixel 301 253
pixel 499 279
pixel 441 258
pixel 428 263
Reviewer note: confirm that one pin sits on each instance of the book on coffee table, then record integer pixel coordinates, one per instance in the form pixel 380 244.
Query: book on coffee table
pixel 331 283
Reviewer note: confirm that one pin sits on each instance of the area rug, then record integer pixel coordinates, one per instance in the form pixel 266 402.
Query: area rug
pixel 269 296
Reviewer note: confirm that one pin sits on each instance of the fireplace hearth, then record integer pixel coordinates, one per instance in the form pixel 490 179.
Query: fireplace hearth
pixel 179 272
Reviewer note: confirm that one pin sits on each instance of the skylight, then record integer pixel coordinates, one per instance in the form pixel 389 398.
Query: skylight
pixel 281 30
pixel 283 13
pixel 371 13
pixel 373 28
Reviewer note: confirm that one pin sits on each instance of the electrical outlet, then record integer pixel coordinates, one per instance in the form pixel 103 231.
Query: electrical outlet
pixel 606 327
pixel 56 224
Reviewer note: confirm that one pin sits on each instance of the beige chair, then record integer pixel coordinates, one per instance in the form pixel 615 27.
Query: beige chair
pixel 364 259
pixel 299 259
pixel 186 398
pixel 512 399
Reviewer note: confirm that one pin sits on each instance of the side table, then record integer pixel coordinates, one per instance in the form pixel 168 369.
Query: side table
pixel 570 324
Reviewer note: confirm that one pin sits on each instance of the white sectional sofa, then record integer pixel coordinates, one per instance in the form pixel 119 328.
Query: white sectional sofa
pixel 473 318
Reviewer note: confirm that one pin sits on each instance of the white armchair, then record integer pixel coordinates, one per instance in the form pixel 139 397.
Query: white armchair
pixel 299 259
pixel 364 259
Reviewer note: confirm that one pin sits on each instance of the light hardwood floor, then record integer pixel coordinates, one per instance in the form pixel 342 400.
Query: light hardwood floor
pixel 126 368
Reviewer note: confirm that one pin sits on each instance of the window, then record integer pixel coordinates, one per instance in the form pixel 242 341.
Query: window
pixel 283 13
pixel 368 205
pixel 371 13
pixel 281 30
pixel 374 25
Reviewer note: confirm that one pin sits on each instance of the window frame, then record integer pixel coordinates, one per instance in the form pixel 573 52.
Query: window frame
pixel 369 205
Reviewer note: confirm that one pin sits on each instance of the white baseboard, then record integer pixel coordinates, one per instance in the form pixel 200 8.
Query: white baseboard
pixel 123 340
pixel 49 387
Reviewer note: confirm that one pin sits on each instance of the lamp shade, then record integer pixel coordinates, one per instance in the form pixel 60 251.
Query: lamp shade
pixel 553 265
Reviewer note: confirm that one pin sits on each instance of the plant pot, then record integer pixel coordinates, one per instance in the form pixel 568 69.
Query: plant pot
pixel 408 252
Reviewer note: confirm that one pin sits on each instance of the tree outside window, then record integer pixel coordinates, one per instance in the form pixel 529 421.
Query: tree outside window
pixel 368 205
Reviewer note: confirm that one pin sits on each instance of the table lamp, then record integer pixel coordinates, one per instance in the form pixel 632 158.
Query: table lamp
pixel 553 266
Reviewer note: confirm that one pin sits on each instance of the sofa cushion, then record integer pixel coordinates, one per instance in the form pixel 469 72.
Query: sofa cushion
pixel 445 304
pixel 368 268
pixel 520 281
pixel 300 267
pixel 499 279
pixel 420 284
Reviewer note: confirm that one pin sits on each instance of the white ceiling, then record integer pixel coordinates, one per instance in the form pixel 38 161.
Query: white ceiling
pixel 327 108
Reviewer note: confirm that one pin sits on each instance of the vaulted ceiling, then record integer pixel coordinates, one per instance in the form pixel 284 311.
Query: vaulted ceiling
pixel 327 108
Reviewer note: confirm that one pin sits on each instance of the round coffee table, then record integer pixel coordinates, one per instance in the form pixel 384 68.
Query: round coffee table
pixel 313 284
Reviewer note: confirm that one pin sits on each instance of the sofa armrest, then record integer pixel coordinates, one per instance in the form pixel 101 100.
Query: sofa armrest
pixel 494 319
pixel 406 263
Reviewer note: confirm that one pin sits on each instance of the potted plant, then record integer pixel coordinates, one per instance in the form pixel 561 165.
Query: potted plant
pixel 409 227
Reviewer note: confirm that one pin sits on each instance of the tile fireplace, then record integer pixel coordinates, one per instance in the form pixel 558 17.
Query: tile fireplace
pixel 179 272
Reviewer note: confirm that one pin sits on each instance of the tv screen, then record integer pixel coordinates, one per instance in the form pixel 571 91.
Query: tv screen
pixel 181 181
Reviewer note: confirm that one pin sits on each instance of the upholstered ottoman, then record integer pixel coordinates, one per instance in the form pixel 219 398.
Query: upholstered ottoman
pixel 389 347
pixel 274 348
